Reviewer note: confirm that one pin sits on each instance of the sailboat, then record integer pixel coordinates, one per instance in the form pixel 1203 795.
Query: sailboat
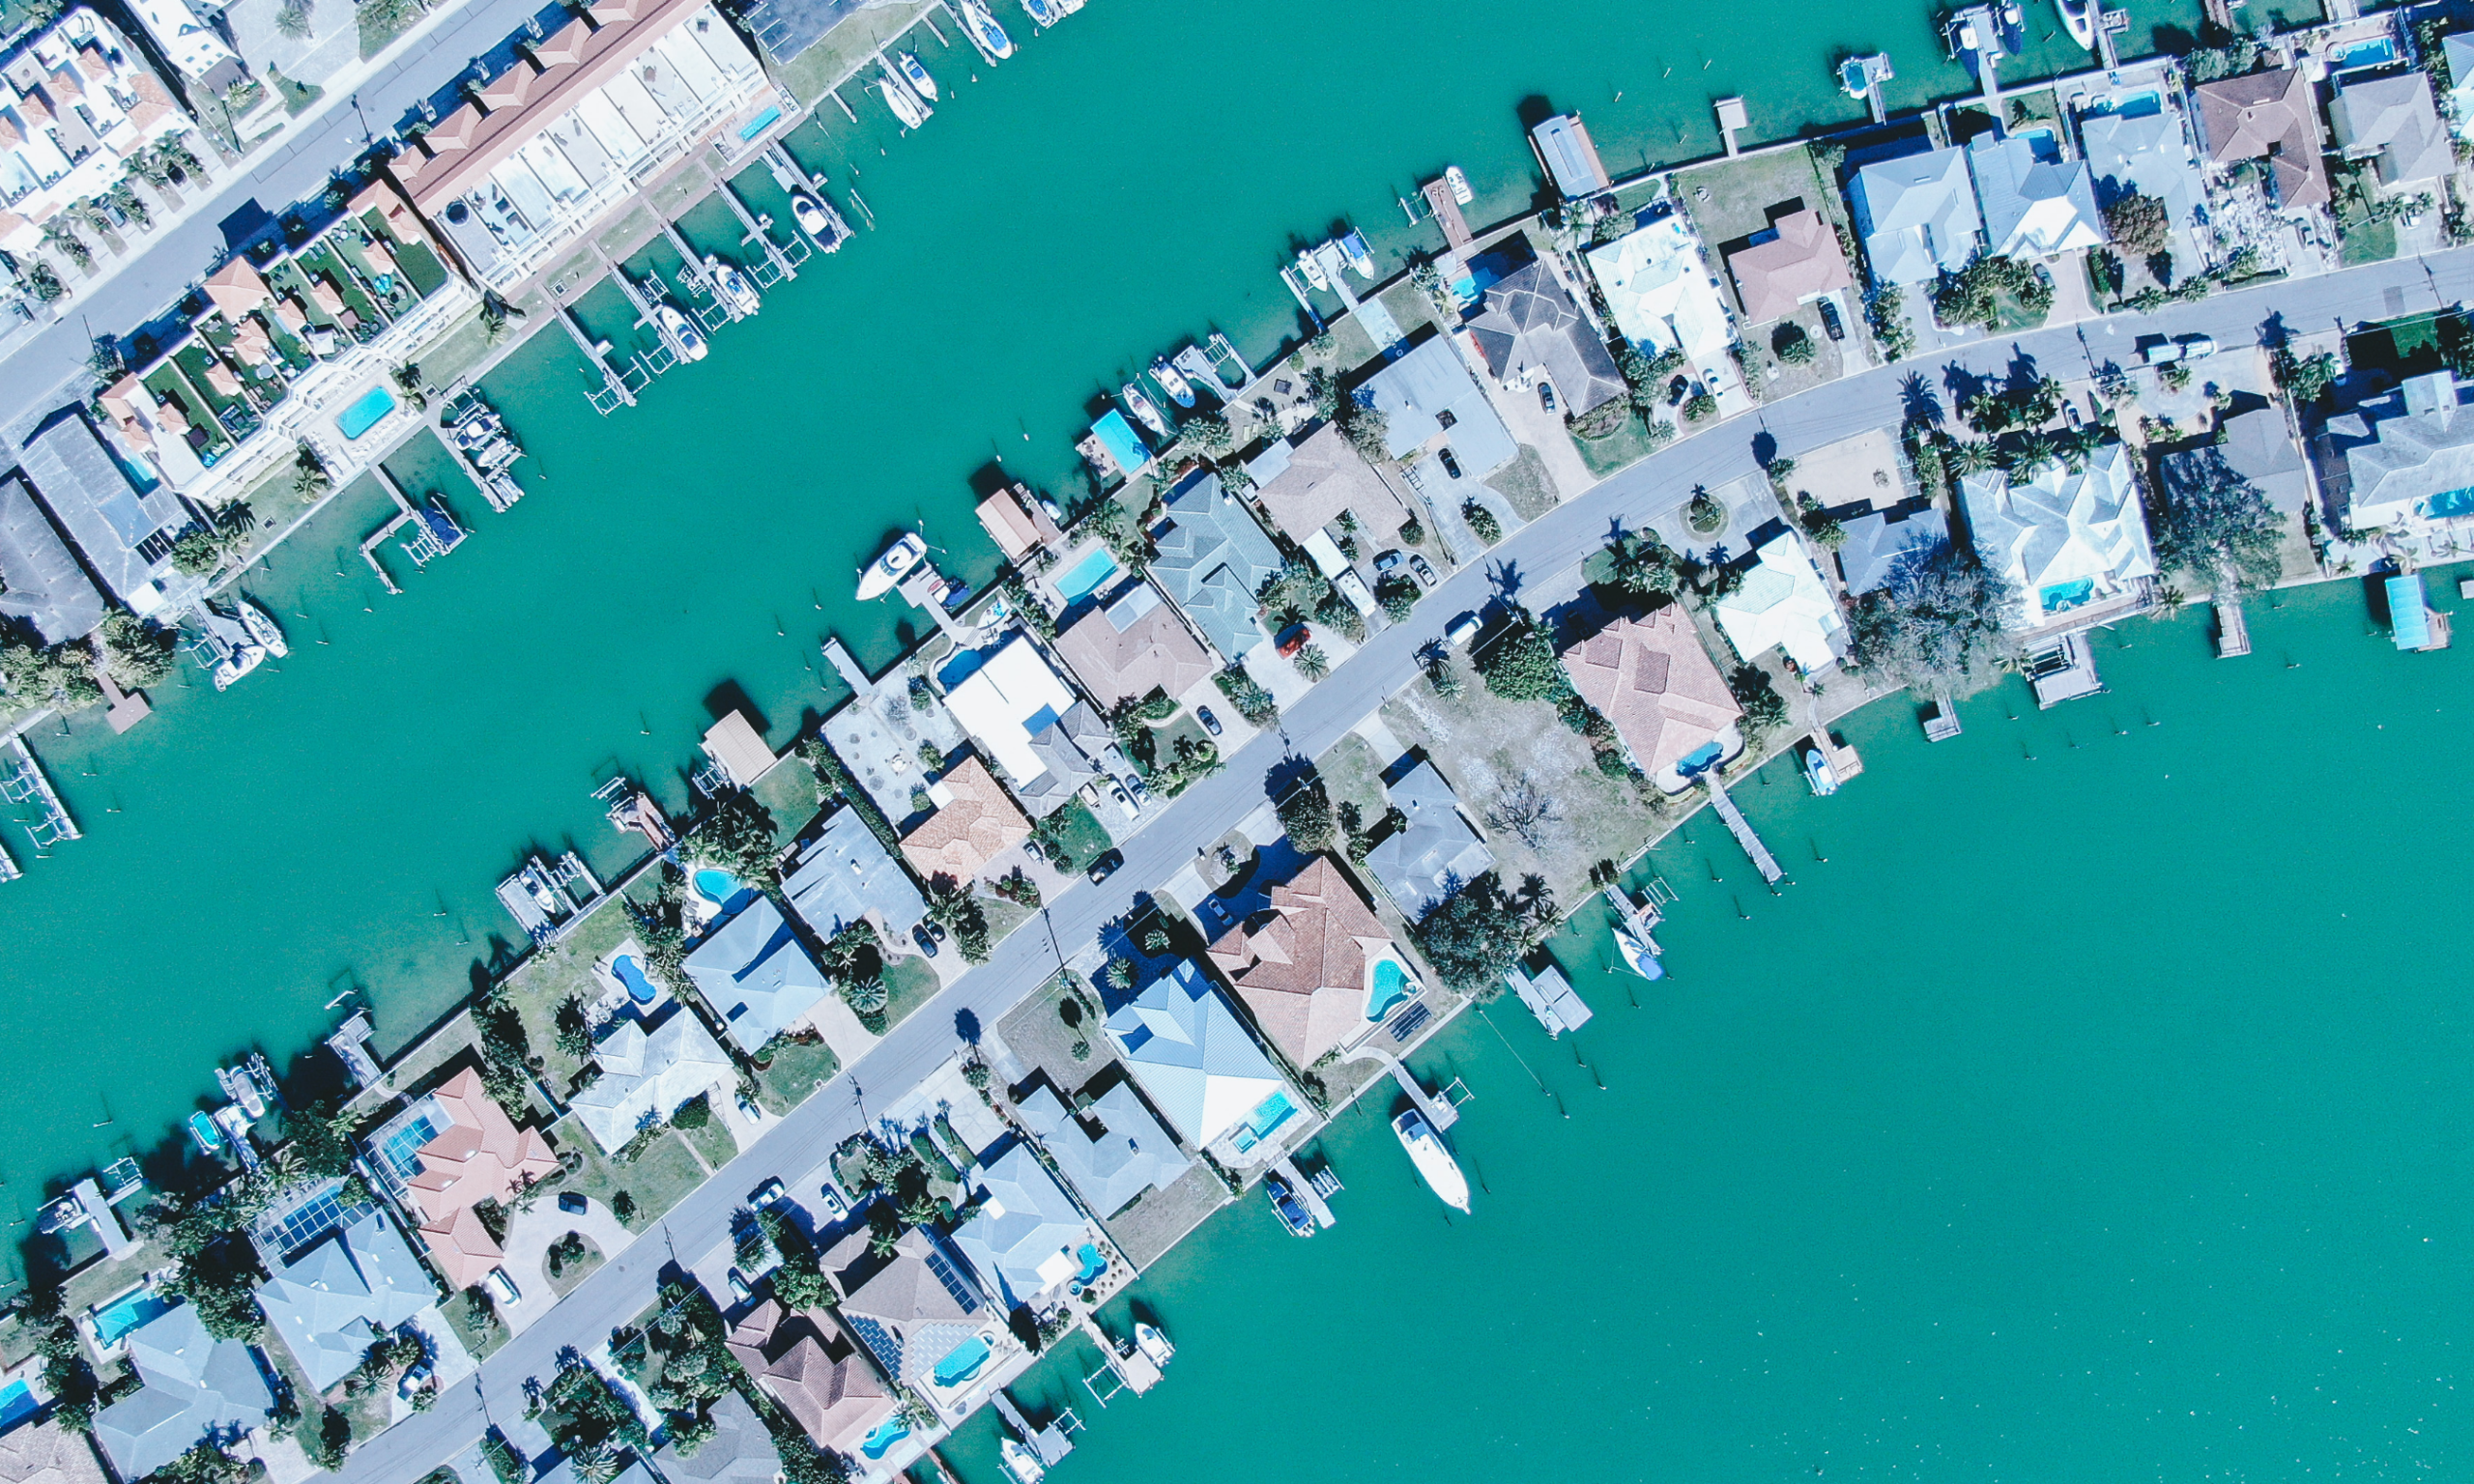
pixel 1172 382
pixel 261 627
pixel 908 106
pixel 1434 1163
pixel 1144 407
pixel 1632 938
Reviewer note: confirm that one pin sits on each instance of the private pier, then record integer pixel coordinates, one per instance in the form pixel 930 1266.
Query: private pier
pixel 25 784
pixel 1442 1109
pixel 1051 1443
pixel 1311 1192
pixel 1741 829
pixel 2233 629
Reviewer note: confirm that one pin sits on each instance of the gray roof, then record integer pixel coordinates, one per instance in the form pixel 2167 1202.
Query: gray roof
pixel 1916 215
pixel 1876 547
pixel 1564 144
pixel 2032 207
pixel 1131 1153
pixel 1416 392
pixel 193 1385
pixel 40 579
pixel 845 874
pixel 1070 749
pixel 1528 325
pixel 1193 1056
pixel 90 495
pixel 740 1451
pixel 912 1311
pixel 2148 151
pixel 1213 561
pixel 2394 452
pixel 346 1293
pixel 2260 448
pixel 1437 851
pixel 756 974
pixel 1023 1223
pixel 2393 118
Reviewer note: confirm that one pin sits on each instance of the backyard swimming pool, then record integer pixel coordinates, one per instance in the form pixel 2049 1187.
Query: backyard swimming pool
pixel 721 889
pixel 961 1362
pixel 17 1404
pixel 1392 986
pixel 365 411
pixel 2062 597
pixel 639 988
pixel 114 1321
pixel 885 1434
pixel 2447 504
pixel 1089 575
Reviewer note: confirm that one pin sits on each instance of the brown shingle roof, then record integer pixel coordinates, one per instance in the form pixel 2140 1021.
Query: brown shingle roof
pixel 47 1452
pixel 818 1375
pixel 1301 964
pixel 1655 683
pixel 1804 259
pixel 978 825
pixel 1155 650
pixel 1324 476
pixel 2268 115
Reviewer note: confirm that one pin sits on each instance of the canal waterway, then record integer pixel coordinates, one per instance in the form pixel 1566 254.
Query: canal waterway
pixel 2099 1116
pixel 336 822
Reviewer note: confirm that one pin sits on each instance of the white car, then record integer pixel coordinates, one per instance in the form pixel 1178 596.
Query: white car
pixel 503 1286
pixel 1463 630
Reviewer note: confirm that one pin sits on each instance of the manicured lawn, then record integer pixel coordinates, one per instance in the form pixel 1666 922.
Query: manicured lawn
pixel 909 983
pixel 655 1180
pixel 1083 835
pixel 789 794
pixel 1628 445
pixel 1524 483
pixel 800 1068
pixel 2366 242
pixel 548 979
pixel 1743 193
pixel 713 1141
pixel 481 1336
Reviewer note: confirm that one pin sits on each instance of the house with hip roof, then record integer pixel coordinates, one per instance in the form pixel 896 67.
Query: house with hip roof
pixel 1917 216
pixel 646 1071
pixel 973 824
pixel 2403 461
pixel 757 975
pixel 1132 648
pixel 2065 538
pixel 1112 1150
pixel 2033 206
pixel 919 1313
pixel 191 1385
pixel 1796 261
pixel 1527 329
pixel 1213 561
pixel 1651 679
pixel 479 1155
pixel 1783 603
pixel 1023 1231
pixel 351 1289
pixel 816 1374
pixel 1433 855
pixel 1315 965
pixel 2269 116
pixel 1659 292
pixel 845 875
pixel 1199 1066
pixel 2392 121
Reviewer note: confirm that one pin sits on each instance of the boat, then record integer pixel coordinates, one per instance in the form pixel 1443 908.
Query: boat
pixel 1640 954
pixel 209 1138
pixel 261 627
pixel 984 29
pixel 907 105
pixel 2079 17
pixel 914 73
pixel 732 288
pixel 1458 183
pixel 814 220
pixel 1041 11
pixel 1154 1345
pixel 1434 1163
pixel 1819 773
pixel 1361 261
pixel 891 565
pixel 1314 271
pixel 1021 1465
pixel 681 330
pixel 237 661
pixel 1285 1204
pixel 235 1124
pixel 1143 407
pixel 243 1088
pixel 1172 382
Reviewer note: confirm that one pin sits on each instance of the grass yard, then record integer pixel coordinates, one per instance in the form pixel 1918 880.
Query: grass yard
pixel 849 43
pixel 548 977
pixel 479 1327
pixel 1352 774
pixel 800 1068
pixel 1628 445
pixel 382 22
pixel 655 1180
pixel 712 1142
pixel 570 1274
pixel 1524 483
pixel 1081 833
pixel 1733 199
pixel 297 95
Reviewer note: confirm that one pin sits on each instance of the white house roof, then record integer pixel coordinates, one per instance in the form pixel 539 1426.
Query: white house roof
pixel 1012 698
pixel 2150 152
pixel 756 974
pixel 349 1291
pixel 649 1073
pixel 1917 214
pixel 1661 293
pixel 2403 447
pixel 2032 207
pixel 1131 1153
pixel 2458 51
pixel 1192 1055
pixel 2392 121
pixel 1023 1234
pixel 1784 603
pixel 2060 530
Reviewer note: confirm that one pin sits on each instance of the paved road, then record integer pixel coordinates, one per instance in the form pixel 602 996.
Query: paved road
pixel 48 370
pixel 800 1142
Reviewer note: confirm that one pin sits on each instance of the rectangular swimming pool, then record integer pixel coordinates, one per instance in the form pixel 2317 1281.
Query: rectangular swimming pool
pixel 1089 575
pixel 17 1404
pixel 364 412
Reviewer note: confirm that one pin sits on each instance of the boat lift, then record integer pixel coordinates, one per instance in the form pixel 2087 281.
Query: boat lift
pixel 25 784
pixel 1122 1366
pixel 1051 1444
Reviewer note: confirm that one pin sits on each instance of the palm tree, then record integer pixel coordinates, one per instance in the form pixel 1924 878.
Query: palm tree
pixel 1313 663
pixel 1968 457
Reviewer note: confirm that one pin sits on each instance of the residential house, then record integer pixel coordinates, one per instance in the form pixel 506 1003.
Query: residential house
pixel 844 875
pixel 2255 447
pixel 756 974
pixel 1198 1064
pixel 2033 203
pixel 40 579
pixel 184 38
pixel 1212 562
pixel 1783 603
pixel 2403 461
pixel 1112 1150
pixel 1660 294
pixel 1571 162
pixel 1917 216
pixel 2393 122
pixel 1435 853
pixel 917 1311
pixel 646 1071
pixel 1796 261
pixel 739 1451
pixel 124 534
pixel 1026 718
pixel 1653 682
pixel 1309 485
pixel 77 103
pixel 2268 116
pixel 1315 965
pixel 351 1289
pixel 2148 151
pixel 974 823
pixel 1528 331
pixel 1074 751
pixel 1134 648
pixel 1022 1232
pixel 1881 544
pixel 1430 401
pixel 2066 538
pixel 190 1385
pixel 474 1153
pixel 48 1452
pixel 816 1374
pixel 2457 52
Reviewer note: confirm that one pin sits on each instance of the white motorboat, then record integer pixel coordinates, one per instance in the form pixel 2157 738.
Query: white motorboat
pixel 1442 1172
pixel 1314 271
pixel 261 626
pixel 892 565
pixel 243 1088
pixel 1045 11
pixel 1154 1345
pixel 908 106
pixel 681 330
pixel 992 36
pixel 916 75
pixel 1817 772
pixel 1459 185
pixel 1172 382
pixel 819 223
pixel 2078 17
pixel 732 288
pixel 1020 1464
pixel 1353 247
pixel 1143 407
pixel 237 661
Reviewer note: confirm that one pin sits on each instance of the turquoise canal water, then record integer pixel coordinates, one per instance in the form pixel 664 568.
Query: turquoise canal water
pixel 2103 1116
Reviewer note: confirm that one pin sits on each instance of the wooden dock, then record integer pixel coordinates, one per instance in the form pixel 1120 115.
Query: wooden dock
pixel 1741 829
pixel 1941 718
pixel 1446 216
pixel 28 782
pixel 2233 629
pixel 1441 1111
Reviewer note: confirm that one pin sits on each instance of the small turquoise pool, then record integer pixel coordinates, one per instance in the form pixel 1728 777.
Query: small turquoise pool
pixel 1698 759
pixel 759 123
pixel 17 1404
pixel 1268 1115
pixel 1392 986
pixel 2377 52
pixel 365 411
pixel 1088 576
pixel 721 889
pixel 2062 597
pixel 639 988
pixel 885 1434
pixel 2447 504
pixel 1094 1264
pixel 961 1362
pixel 130 1311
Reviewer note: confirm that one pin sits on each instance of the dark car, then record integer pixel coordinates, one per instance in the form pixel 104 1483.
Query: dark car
pixel 1210 723
pixel 920 935
pixel 1547 395
pixel 1105 866
pixel 1451 465
pixel 1831 323
pixel 573 1203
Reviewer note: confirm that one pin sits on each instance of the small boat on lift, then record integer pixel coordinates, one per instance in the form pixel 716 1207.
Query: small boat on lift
pixel 1154 1345
pixel 207 1137
pixel 1172 382
pixel 1442 1172
pixel 1458 183
pixel 1019 1462
pixel 1353 247
pixel 892 565
pixel 916 75
pixel 907 105
pixel 992 36
pixel 1144 407
pixel 681 329
pixel 1817 772
pixel 1314 271
pixel 732 288
pixel 237 661
pixel 2078 17
pixel 1285 1204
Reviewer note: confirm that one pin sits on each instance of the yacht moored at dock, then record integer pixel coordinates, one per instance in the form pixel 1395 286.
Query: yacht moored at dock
pixel 984 30
pixel 206 1135
pixel 1458 184
pixel 2078 17
pixel 243 1088
pixel 907 105
pixel 261 626
pixel 823 224
pixel 1019 1462
pixel 1353 247
pixel 1312 270
pixel 1818 773
pixel 891 566
pixel 680 331
pixel 1043 11
pixel 916 75
pixel 1434 1163
pixel 1172 382
pixel 1148 1339
pixel 732 288
pixel 1144 407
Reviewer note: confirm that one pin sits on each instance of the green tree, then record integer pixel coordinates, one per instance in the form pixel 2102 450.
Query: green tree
pixel 1765 710
pixel 311 479
pixel 1481 522
pixel 1793 346
pixel 1520 665
pixel 1311 661
pixel 1938 627
pixel 1476 934
pixel 2140 222
pixel 2306 379
pixel 136 653
pixel 2216 526
pixel 956 904
pixel 738 837
pixel 1306 815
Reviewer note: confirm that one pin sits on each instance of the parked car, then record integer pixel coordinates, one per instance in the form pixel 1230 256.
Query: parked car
pixel 503 1287
pixel 1387 560
pixel 830 1199
pixel 415 1376
pixel 739 1289
pixel 1831 323
pixel 1296 637
pixel 1463 630
pixel 1133 786
pixel 2196 346
pixel 1425 573
pixel 1210 723
pixel 1117 792
pixel 769 1193
pixel 1451 465
pixel 2161 351
pixel 747 1109
pixel 1547 395
pixel 927 942
pixel 1105 866
pixel 573 1203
